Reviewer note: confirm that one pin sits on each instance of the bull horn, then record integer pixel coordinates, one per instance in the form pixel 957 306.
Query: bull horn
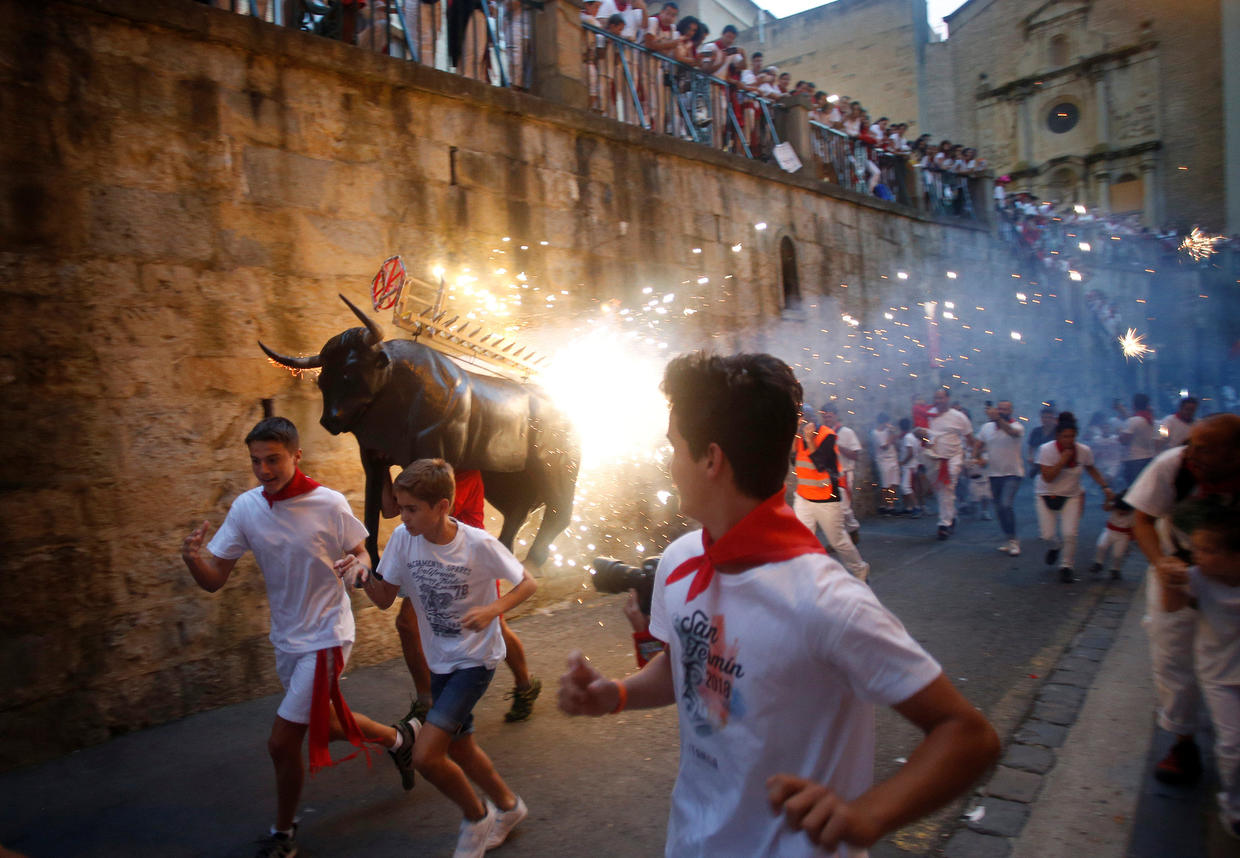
pixel 310 362
pixel 376 332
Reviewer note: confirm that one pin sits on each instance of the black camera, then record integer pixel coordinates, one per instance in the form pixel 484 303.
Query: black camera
pixel 612 576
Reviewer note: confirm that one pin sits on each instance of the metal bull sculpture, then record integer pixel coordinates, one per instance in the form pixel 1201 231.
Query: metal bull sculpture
pixel 405 401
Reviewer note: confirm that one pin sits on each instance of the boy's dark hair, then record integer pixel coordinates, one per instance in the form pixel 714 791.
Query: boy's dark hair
pixel 1066 420
pixel 278 429
pixel 748 404
pixel 1210 515
pixel 906 424
pixel 615 18
pixel 428 480
pixel 1140 401
pixel 728 28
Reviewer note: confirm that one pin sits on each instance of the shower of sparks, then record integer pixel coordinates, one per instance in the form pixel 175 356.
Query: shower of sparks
pixel 1198 245
pixel 1133 345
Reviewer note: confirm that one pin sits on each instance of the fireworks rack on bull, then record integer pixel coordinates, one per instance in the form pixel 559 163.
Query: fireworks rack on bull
pixel 464 340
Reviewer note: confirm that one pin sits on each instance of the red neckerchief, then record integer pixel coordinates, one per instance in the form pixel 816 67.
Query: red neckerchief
pixel 1071 463
pixel 326 696
pixel 770 533
pixel 1147 414
pixel 298 485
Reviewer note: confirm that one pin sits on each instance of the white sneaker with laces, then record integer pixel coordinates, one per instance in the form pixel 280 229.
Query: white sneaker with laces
pixel 1014 547
pixel 472 840
pixel 505 822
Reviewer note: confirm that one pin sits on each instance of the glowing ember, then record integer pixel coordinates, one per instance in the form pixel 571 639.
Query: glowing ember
pixel 1198 245
pixel 1133 345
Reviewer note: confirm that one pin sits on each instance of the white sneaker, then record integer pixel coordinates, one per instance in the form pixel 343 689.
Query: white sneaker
pixel 505 822
pixel 472 840
pixel 1006 548
pixel 1014 548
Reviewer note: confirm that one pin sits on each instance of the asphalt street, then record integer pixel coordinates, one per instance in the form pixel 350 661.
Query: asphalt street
pixel 599 787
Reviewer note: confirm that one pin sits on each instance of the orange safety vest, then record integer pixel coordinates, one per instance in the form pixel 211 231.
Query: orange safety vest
pixel 812 484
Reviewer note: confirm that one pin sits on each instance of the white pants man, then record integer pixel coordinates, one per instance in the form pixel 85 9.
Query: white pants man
pixel 945 492
pixel 829 515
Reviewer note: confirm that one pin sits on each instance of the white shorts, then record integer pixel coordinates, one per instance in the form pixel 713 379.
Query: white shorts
pixel 296 672
pixel 888 474
pixel 907 472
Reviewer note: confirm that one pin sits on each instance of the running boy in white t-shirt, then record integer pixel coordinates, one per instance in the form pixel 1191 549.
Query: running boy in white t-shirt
pixel 449 570
pixel 1211 587
pixel 775 654
pixel 302 534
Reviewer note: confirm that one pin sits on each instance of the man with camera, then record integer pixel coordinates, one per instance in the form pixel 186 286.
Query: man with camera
pixel 775 655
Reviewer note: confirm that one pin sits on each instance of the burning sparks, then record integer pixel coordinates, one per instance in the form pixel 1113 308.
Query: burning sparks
pixel 1198 245
pixel 1133 345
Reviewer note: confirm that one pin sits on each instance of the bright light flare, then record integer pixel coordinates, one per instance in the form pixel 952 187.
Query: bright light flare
pixel 1075 275
pixel 1133 345
pixel 1198 245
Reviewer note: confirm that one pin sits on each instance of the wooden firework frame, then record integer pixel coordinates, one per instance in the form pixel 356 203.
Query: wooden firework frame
pixel 465 339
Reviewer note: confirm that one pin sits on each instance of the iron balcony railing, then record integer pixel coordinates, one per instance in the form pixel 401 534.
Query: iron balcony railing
pixel 634 85
pixel 489 41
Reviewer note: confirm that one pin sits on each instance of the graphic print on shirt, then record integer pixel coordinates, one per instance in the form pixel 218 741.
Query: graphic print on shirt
pixel 440 587
pixel 711 667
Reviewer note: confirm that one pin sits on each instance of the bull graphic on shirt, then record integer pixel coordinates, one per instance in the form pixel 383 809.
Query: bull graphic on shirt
pixel 711 668
pixel 404 401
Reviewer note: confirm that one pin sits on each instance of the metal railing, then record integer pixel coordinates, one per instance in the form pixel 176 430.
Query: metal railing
pixel 634 85
pixel 490 41
pixel 947 193
pixel 843 158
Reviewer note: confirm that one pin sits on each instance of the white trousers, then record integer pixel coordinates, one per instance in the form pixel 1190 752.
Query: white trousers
pixel 945 495
pixel 1171 657
pixel 846 501
pixel 1223 701
pixel 830 517
pixel 1114 543
pixel 1066 520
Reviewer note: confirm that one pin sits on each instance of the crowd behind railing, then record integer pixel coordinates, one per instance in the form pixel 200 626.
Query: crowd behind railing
pixel 662 72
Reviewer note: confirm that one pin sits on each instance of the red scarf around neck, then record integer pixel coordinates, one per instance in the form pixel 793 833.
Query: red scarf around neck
pixel 298 485
pixel 770 533
pixel 1071 463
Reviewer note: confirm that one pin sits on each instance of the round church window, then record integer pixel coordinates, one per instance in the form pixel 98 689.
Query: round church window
pixel 1063 117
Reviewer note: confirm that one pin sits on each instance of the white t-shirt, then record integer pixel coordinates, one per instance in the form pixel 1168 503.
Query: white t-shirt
pixel 1142 444
pixel 911 443
pixel 295 542
pixel 632 18
pixel 846 439
pixel 1217 644
pixel 446 581
pixel 1177 430
pixel 656 30
pixel 947 434
pixel 890 437
pixel 1068 483
pixel 776 669
pixel 1003 451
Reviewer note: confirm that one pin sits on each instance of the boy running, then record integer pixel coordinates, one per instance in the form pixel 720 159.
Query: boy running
pixel 449 570
pixel 301 533
pixel 775 655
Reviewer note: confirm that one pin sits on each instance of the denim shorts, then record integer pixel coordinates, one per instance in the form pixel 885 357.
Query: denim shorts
pixel 455 695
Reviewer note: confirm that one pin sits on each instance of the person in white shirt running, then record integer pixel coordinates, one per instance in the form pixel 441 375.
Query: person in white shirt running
pixel 1060 497
pixel 1002 438
pixel 775 655
pixel 1174 428
pixel 949 435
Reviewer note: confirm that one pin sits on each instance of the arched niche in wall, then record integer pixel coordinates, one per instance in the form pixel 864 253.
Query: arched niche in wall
pixel 1128 194
pixel 1063 185
pixel 1058 50
pixel 788 275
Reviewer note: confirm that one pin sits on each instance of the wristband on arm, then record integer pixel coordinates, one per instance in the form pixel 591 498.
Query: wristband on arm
pixel 623 694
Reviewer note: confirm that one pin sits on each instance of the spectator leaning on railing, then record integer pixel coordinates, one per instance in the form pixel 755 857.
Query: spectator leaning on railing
pixel 632 14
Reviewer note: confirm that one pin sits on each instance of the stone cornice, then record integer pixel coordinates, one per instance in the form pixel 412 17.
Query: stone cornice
pixel 1026 86
pixel 1087 160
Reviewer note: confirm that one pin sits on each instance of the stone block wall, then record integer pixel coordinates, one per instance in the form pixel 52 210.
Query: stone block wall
pixel 182 182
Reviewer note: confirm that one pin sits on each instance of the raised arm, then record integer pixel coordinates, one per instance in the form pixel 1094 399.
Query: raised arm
pixel 209 571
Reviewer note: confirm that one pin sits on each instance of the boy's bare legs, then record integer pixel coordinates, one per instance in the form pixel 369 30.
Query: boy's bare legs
pixel 371 730
pixel 430 758
pixel 284 746
pixel 516 656
pixel 478 767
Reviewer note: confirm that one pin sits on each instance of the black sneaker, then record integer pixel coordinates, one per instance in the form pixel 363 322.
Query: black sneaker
pixel 278 845
pixel 403 756
pixel 418 710
pixel 943 532
pixel 1052 556
pixel 1181 766
pixel 523 700
pixel 1095 569
pixel 1067 576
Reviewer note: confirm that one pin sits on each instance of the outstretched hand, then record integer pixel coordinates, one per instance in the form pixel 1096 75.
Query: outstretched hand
pixel 585 691
pixel 826 818
pixel 351 570
pixel 192 544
